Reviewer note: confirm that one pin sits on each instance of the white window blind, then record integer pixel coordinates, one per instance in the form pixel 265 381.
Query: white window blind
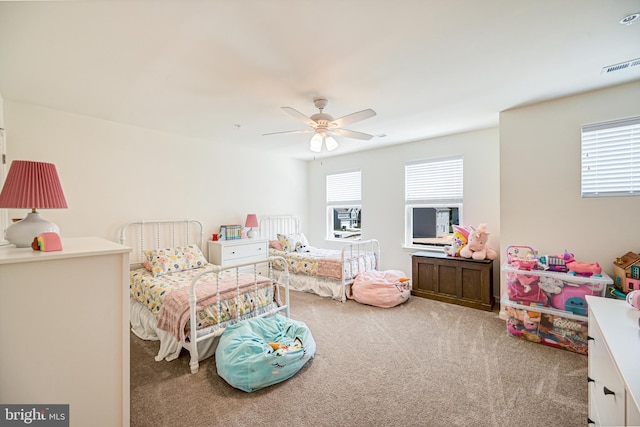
pixel 344 188
pixel 434 181
pixel 611 158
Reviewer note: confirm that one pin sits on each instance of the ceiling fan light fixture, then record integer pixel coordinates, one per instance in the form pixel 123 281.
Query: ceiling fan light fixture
pixel 323 126
pixel 332 144
pixel 315 144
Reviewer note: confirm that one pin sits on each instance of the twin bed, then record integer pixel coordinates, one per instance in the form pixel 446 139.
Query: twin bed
pixel 179 299
pixel 325 272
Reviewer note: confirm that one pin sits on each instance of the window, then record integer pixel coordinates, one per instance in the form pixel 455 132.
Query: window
pixel 433 200
pixel 344 211
pixel 611 158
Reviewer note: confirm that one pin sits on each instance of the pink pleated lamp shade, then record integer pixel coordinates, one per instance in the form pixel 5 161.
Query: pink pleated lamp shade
pixel 252 221
pixel 32 185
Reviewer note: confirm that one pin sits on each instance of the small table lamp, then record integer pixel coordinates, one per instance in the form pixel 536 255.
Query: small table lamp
pixel 252 221
pixel 31 185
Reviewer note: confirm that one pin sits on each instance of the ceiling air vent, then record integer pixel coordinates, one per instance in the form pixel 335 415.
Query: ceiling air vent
pixel 621 66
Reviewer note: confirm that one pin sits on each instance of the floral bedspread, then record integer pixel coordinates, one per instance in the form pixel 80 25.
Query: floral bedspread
pixel 324 263
pixel 152 292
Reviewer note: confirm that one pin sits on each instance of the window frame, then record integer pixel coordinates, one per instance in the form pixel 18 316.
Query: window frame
pixel 340 199
pixel 453 198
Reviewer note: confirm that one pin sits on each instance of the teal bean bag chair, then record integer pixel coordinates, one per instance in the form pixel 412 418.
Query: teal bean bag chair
pixel 259 352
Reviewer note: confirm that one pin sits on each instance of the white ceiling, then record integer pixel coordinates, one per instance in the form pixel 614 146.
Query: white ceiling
pixel 221 70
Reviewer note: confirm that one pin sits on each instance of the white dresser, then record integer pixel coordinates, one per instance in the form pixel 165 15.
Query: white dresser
pixel 64 329
pixel 614 363
pixel 227 252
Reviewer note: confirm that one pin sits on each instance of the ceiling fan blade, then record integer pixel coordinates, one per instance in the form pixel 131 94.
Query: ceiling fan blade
pixel 288 131
pixel 352 118
pixel 298 115
pixel 352 134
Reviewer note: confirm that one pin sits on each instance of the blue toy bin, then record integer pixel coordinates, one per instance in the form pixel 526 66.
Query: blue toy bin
pixel 259 352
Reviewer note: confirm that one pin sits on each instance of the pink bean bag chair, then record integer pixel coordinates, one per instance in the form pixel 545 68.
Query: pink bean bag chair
pixel 381 288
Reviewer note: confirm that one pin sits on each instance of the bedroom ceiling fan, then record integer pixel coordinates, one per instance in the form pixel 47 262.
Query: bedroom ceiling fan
pixel 324 127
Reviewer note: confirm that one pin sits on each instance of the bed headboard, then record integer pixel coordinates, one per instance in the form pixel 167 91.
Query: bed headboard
pixel 271 226
pixel 144 235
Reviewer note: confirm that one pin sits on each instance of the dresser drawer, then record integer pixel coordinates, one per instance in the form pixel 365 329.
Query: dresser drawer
pixel 229 252
pixel 245 252
pixel 607 391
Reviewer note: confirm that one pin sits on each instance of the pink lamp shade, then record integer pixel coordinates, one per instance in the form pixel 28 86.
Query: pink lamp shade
pixel 252 221
pixel 31 185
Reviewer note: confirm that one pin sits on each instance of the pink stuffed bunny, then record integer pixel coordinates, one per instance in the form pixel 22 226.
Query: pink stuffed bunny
pixel 477 248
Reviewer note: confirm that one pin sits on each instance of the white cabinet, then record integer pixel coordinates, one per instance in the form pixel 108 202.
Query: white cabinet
pixel 228 252
pixel 64 329
pixel 614 371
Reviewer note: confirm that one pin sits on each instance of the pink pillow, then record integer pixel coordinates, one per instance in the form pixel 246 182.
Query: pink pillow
pixel 275 244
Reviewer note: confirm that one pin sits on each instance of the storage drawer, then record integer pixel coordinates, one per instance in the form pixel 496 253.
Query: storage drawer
pixel 246 252
pixel 607 389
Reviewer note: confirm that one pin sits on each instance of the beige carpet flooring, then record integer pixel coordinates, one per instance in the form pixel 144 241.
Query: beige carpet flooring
pixel 424 363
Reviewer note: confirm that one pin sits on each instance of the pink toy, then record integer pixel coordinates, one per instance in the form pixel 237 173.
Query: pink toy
pixel 522 257
pixel 524 264
pixel 47 242
pixel 584 268
pixel 524 289
pixel 572 298
pixel 477 248
pixel 633 298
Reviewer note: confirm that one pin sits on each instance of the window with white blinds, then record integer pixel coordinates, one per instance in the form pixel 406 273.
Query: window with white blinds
pixel 434 181
pixel 344 212
pixel 344 188
pixel 611 158
pixel 433 201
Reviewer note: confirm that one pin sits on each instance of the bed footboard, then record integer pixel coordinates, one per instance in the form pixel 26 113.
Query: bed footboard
pixel 216 271
pixel 357 257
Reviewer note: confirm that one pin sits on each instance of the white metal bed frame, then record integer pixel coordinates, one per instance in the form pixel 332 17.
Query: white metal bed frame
pixel 271 226
pixel 155 234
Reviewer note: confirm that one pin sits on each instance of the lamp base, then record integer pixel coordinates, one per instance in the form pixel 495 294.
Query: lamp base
pixel 23 232
pixel 251 234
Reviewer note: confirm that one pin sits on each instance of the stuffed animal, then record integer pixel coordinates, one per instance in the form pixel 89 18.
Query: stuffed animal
pixel 550 285
pixel 477 248
pixel 301 248
pixel 454 248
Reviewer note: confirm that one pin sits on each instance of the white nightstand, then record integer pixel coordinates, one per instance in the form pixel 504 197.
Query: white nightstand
pixel 226 252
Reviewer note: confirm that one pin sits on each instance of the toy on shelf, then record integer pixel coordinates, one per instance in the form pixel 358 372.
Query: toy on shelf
pixel 586 269
pixel 522 257
pixel 615 293
pixel 460 239
pixel 551 285
pixel 557 262
pixel 477 248
pixel 626 272
pixel 525 289
pixel 573 299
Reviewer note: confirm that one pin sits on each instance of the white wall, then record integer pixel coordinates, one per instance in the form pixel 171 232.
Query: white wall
pixel 112 173
pixel 383 212
pixel 540 179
